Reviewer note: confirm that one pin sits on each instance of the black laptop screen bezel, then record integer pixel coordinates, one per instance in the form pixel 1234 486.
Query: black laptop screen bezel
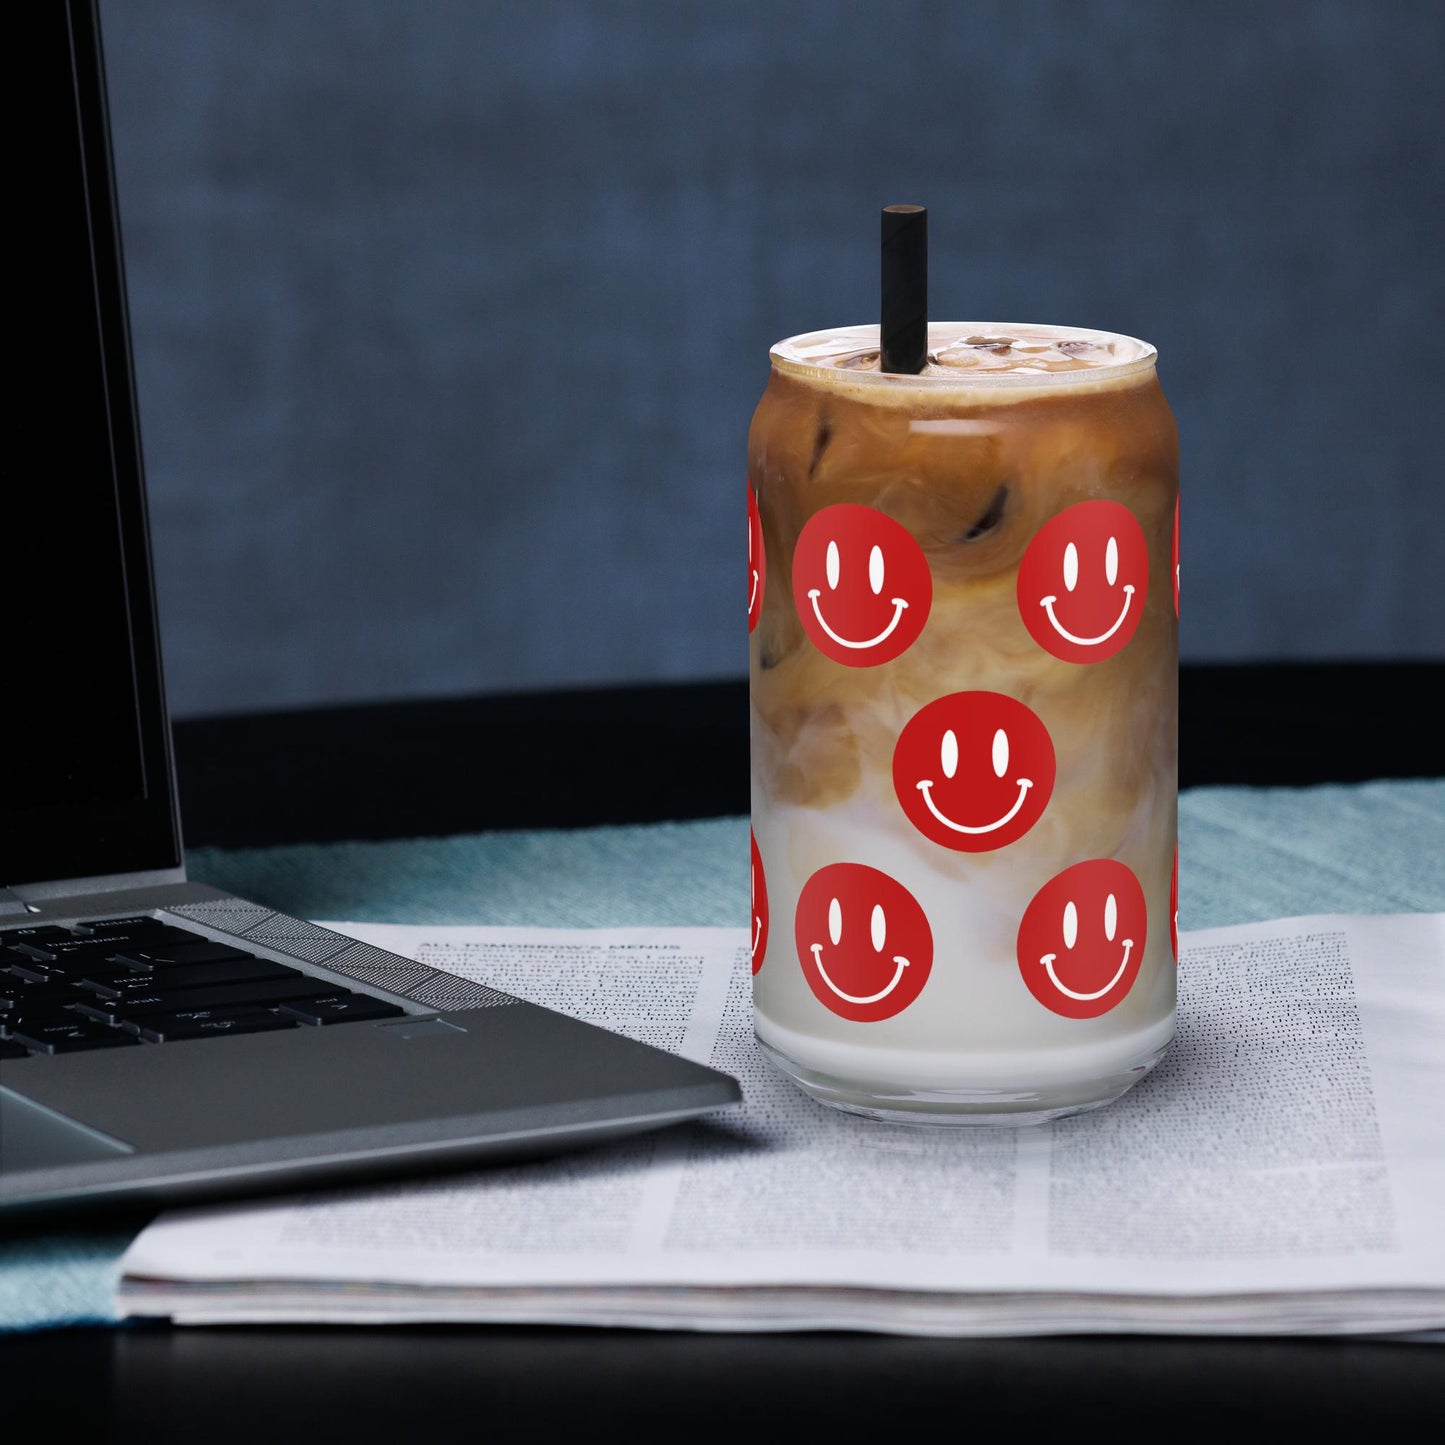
pixel 53 842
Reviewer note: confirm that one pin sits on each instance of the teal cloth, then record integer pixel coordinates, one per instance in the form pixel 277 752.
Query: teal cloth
pixel 1245 855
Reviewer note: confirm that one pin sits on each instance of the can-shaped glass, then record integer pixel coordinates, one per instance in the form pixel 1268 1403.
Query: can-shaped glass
pixel 963 601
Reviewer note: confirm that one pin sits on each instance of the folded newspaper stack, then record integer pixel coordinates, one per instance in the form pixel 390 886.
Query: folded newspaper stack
pixel 1283 1171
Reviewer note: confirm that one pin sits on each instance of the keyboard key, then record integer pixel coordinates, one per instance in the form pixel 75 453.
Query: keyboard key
pixel 32 971
pixel 31 949
pixel 137 925
pixel 42 943
pixel 133 983
pixel 142 938
pixel 65 970
pixel 340 1008
pixel 198 950
pixel 18 992
pixel 141 987
pixel 35 934
pixel 60 1037
pixel 265 991
pixel 109 944
pixel 76 964
pixel 9 1050
pixel 208 1023
pixel 76 1043
pixel 117 1010
pixel 101 947
pixel 74 954
pixel 36 1012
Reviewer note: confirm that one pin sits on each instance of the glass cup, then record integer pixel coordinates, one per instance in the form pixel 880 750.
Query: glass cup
pixel 963 616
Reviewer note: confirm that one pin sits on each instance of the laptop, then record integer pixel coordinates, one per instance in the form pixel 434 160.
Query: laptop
pixel 161 1040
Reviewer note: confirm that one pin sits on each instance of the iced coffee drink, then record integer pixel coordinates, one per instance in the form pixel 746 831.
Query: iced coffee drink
pixel 963 631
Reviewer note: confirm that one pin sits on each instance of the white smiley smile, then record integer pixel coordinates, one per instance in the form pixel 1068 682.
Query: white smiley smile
pixel 926 786
pixel 757 933
pixel 898 608
pixel 817 952
pixel 1048 605
pixel 1048 962
pixel 753 590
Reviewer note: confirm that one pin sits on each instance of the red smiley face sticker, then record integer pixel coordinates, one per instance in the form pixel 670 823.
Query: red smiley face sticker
pixel 861 585
pixel 757 560
pixel 974 770
pixel 1083 581
pixel 760 906
pixel 1082 938
pixel 864 943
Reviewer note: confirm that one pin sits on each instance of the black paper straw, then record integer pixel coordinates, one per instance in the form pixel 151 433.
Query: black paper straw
pixel 903 333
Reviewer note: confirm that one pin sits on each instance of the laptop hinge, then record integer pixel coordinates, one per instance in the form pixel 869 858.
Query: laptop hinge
pixel 26 893
pixel 11 904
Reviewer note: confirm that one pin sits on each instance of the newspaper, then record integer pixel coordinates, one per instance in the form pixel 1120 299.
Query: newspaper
pixel 1282 1171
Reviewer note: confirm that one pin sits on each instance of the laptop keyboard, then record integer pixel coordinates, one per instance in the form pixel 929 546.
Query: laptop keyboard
pixel 123 982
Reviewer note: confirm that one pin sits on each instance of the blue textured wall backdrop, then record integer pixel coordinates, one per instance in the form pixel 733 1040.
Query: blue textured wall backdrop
pixel 450 318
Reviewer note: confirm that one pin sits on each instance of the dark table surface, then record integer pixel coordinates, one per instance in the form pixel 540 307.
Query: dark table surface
pixel 408 769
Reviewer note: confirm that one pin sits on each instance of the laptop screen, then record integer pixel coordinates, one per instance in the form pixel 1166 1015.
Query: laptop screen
pixel 86 787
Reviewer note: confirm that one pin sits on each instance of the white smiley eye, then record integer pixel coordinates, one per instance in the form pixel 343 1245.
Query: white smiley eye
pixel 1071 924
pixel 832 566
pixel 1071 566
pixel 835 921
pixel 948 754
pixel 1000 753
pixel 880 928
pixel 1111 917
pixel 1111 562
pixel 875 570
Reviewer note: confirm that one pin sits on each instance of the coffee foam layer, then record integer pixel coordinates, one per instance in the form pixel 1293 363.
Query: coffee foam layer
pixel 1006 360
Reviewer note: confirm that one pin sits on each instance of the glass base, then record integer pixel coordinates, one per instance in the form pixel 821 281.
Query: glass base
pixel 952 1108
